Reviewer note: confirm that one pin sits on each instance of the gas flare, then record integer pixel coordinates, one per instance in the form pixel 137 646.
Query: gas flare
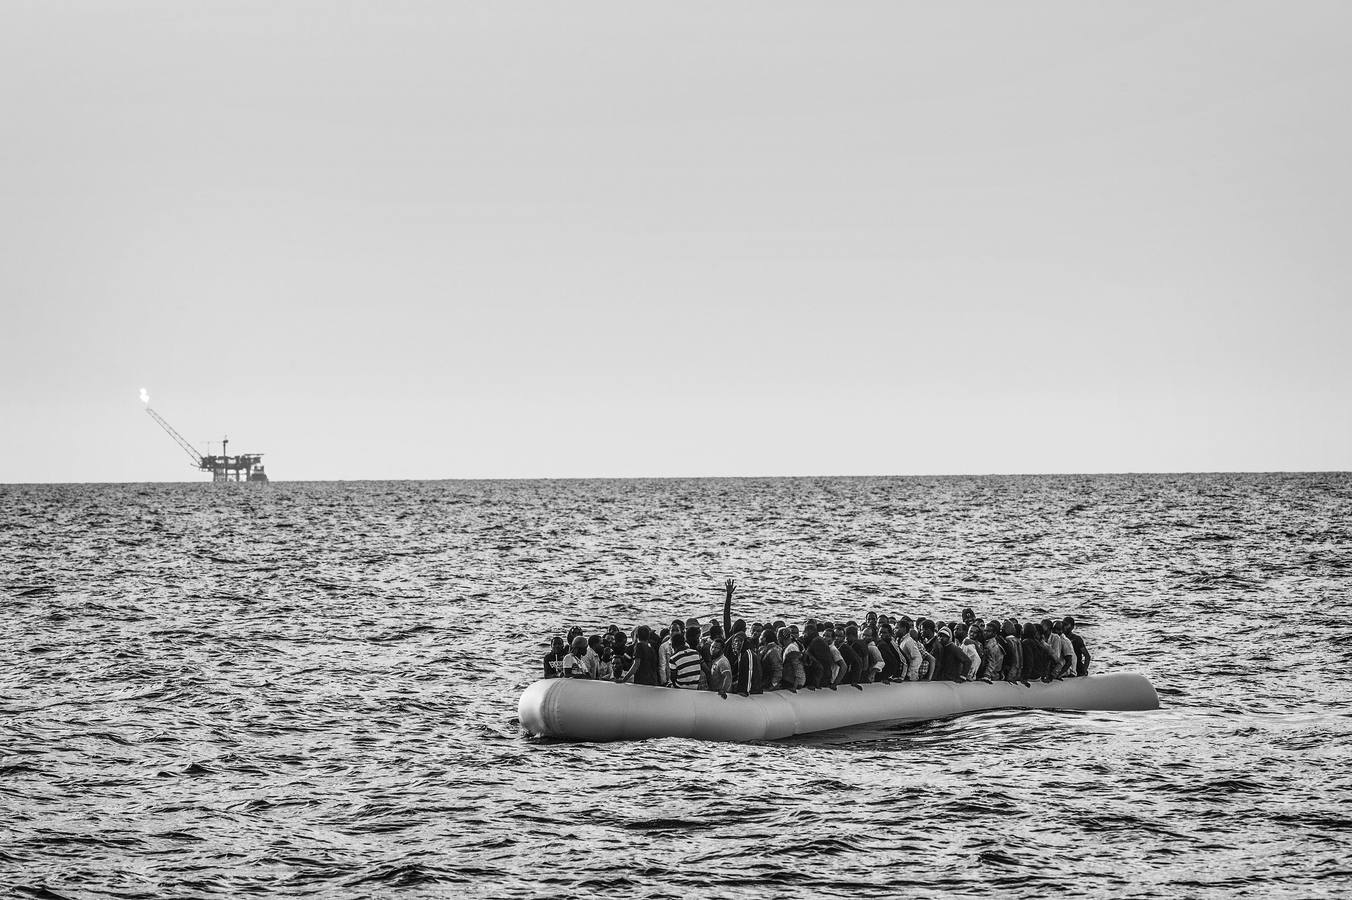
pixel 145 397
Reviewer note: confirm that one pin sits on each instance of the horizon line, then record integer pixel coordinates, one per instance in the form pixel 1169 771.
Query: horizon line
pixel 721 477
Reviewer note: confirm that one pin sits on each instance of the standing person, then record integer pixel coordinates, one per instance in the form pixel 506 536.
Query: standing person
pixel 746 665
pixel 553 661
pixel 692 643
pixel 1013 653
pixel 1060 650
pixel 910 652
pixel 664 652
pixel 581 661
pixel 794 677
pixel 772 661
pixel 887 649
pixel 968 645
pixel 720 670
pixel 952 663
pixel 621 657
pixel 1036 658
pixel 820 654
pixel 644 670
pixel 994 666
pixel 684 664
pixel 1076 642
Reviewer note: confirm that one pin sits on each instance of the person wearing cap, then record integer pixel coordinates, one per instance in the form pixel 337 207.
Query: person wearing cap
pixel 1076 642
pixel 951 662
pixel 581 661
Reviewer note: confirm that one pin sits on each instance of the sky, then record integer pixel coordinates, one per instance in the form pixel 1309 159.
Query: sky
pixel 461 239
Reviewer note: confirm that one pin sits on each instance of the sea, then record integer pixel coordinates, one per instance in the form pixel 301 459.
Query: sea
pixel 310 689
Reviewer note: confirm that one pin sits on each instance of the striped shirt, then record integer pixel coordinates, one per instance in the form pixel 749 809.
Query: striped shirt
pixel 684 666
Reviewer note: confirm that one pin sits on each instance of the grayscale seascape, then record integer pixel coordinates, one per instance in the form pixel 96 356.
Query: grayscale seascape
pixel 310 689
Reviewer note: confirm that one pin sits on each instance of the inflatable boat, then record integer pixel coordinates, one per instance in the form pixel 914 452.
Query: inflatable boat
pixel 584 710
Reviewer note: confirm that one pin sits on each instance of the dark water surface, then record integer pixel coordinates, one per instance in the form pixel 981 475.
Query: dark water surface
pixel 310 689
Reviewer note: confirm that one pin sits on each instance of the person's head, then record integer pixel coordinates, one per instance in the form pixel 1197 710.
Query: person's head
pixel 716 646
pixel 945 636
pixel 904 624
pixel 594 642
pixel 738 625
pixel 1056 628
pixel 793 630
pixel 715 633
pixel 677 625
pixel 784 636
pixel 558 644
pixel 619 639
pixel 677 640
pixel 968 615
pixel 959 632
pixel 578 646
pixel 642 633
pixel 884 632
pixel 851 633
pixel 692 635
pixel 992 629
pixel 690 623
pixel 927 629
pixel 574 632
pixel 829 635
pixel 1068 626
pixel 1030 631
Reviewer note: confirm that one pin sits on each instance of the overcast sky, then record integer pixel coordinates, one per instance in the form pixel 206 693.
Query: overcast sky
pixel 427 240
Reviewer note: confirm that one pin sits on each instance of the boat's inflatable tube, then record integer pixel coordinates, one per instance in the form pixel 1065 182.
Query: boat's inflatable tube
pixel 586 710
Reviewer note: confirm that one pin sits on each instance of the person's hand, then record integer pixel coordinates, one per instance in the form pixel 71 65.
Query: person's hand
pixel 723 694
pixel 858 687
pixel 793 690
pixel 961 679
pixel 729 586
pixel 744 693
pixel 831 686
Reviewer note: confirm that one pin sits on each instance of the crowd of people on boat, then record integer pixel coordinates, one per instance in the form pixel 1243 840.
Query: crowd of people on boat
pixel 735 656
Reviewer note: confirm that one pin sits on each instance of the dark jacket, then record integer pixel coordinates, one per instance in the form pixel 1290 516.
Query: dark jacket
pixel 821 655
pixel 951 662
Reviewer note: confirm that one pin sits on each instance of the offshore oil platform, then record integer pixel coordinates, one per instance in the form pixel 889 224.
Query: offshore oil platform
pixel 243 467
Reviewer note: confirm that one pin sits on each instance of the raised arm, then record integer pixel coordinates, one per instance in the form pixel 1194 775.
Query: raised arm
pixel 728 586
